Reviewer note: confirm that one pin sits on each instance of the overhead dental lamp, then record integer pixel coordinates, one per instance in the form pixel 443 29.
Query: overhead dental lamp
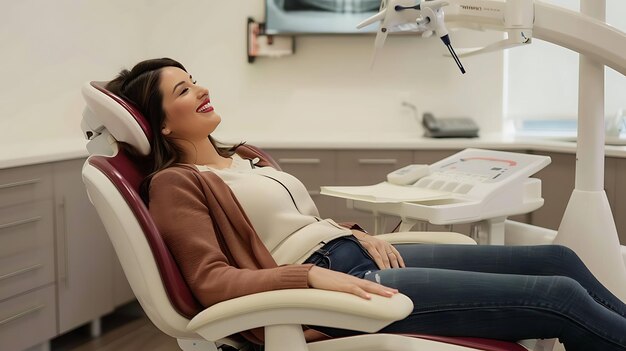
pixel 405 15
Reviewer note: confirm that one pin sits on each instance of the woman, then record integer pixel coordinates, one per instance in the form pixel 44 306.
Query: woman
pixel 236 226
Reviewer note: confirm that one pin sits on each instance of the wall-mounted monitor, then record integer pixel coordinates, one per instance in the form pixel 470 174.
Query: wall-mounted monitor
pixel 319 16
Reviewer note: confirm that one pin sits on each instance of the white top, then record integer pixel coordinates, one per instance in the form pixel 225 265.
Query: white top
pixel 280 210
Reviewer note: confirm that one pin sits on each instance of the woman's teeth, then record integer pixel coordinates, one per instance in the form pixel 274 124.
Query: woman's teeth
pixel 205 108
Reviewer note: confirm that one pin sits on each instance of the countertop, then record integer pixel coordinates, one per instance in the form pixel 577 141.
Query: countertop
pixel 22 154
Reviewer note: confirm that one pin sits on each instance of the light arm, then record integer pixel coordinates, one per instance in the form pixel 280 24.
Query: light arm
pixel 522 19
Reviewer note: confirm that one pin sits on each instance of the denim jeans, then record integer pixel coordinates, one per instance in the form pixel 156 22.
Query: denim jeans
pixel 498 292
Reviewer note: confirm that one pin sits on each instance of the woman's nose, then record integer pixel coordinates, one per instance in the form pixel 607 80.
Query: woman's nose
pixel 202 92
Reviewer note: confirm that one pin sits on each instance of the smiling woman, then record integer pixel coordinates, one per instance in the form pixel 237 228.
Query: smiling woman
pixel 237 226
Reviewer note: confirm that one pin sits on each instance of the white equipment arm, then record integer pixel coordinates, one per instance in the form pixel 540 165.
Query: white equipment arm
pixel 521 19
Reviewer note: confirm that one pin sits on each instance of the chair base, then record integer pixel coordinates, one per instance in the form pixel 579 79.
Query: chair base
pixel 196 345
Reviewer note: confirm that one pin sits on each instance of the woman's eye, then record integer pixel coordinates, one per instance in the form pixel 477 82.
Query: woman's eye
pixel 184 91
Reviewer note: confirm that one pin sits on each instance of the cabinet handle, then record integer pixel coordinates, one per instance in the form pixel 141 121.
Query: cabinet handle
pixel 21 271
pixel 378 161
pixel 21 314
pixel 300 161
pixel 20 222
pixel 63 217
pixel 16 184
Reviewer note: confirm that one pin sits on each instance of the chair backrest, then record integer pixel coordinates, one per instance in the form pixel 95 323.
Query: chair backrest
pixel 113 186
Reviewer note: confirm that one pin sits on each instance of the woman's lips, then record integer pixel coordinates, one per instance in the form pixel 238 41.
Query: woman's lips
pixel 205 107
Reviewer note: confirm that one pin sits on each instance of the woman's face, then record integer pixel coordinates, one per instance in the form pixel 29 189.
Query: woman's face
pixel 189 114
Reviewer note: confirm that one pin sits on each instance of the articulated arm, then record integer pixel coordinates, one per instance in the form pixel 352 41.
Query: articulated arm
pixel 521 19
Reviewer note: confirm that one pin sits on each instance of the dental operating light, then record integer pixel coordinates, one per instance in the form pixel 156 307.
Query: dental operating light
pixel 402 15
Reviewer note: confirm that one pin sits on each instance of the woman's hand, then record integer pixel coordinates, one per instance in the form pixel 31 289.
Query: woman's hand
pixel 383 253
pixel 322 278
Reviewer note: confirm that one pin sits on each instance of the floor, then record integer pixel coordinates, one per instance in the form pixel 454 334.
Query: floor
pixel 127 329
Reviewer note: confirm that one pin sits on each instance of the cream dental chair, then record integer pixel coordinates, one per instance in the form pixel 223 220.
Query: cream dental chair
pixel 112 177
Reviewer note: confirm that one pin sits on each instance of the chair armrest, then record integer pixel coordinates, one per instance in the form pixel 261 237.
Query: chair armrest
pixel 426 238
pixel 299 306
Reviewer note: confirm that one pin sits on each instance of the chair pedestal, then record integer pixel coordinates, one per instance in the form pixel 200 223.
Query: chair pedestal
pixel 196 345
pixel 285 337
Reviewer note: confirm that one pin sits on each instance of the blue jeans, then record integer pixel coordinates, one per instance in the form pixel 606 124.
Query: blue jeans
pixel 498 292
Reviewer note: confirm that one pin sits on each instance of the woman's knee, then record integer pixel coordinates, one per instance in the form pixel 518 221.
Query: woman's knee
pixel 565 251
pixel 565 288
pixel 568 256
pixel 560 252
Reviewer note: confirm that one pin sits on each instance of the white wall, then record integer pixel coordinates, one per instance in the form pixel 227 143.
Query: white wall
pixel 543 78
pixel 327 84
pixel 49 48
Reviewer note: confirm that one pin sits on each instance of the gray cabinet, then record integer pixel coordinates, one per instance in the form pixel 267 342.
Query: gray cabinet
pixel 57 267
pixel 28 319
pixel 431 156
pixel 84 256
pixel 314 168
pixel 558 181
pixel 366 167
pixel 27 294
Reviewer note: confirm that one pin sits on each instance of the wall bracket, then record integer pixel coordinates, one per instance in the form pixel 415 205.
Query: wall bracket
pixel 260 44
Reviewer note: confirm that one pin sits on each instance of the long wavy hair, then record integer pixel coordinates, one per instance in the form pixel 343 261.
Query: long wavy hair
pixel 140 86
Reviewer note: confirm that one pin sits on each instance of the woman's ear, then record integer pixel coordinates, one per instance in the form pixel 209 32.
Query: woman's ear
pixel 165 131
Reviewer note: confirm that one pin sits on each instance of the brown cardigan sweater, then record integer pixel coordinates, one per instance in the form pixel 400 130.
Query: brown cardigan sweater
pixel 217 250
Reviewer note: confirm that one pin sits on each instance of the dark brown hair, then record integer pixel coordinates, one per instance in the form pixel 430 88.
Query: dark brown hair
pixel 140 86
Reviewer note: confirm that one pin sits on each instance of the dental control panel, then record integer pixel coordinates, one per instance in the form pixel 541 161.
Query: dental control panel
pixel 479 173
pixel 473 184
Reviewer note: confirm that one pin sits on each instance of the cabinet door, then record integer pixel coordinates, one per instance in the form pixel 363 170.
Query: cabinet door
pixel 366 167
pixel 314 168
pixel 428 157
pixel 84 253
pixel 619 199
pixel 27 319
pixel 557 183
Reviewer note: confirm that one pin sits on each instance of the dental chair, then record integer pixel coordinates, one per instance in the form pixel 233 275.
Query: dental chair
pixel 112 176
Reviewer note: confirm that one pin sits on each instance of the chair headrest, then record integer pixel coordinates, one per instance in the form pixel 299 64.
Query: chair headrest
pixel 109 115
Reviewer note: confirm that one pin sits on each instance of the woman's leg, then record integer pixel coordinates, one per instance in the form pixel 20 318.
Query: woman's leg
pixel 503 306
pixel 544 260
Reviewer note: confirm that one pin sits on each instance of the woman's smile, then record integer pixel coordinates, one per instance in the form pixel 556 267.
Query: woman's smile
pixel 205 107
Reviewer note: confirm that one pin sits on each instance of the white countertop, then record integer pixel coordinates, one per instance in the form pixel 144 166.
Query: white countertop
pixel 21 154
pixel 388 142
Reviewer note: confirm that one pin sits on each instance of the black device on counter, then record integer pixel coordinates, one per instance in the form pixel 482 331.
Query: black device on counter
pixel 449 127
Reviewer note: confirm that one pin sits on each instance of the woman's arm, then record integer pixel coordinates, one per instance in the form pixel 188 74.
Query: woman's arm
pixel 322 278
pixel 180 211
